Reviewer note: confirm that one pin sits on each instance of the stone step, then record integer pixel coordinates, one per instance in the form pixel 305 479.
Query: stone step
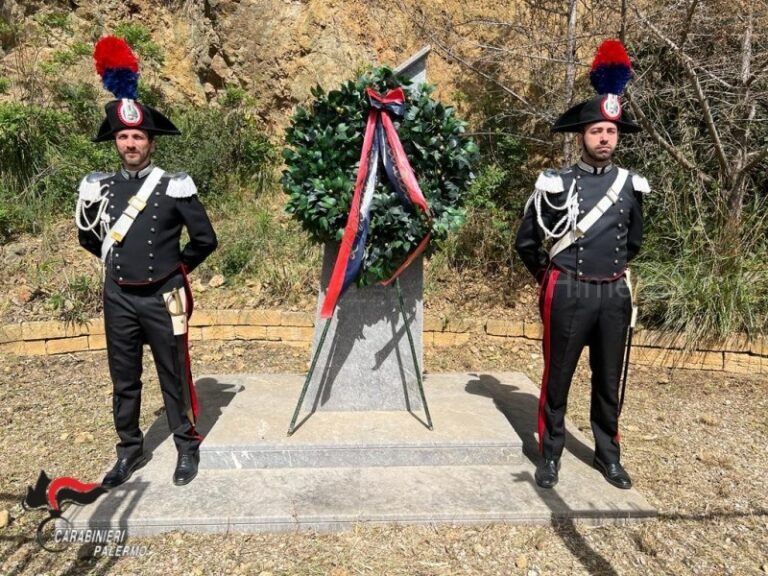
pixel 337 498
pixel 332 498
pixel 252 430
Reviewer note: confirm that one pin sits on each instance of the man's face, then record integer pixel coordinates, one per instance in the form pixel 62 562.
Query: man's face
pixel 598 142
pixel 135 148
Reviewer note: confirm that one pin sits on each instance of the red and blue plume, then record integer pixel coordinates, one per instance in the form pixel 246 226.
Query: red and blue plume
pixel 118 67
pixel 611 68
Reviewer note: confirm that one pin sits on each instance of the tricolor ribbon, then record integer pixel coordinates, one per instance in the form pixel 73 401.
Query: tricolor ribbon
pixel 381 142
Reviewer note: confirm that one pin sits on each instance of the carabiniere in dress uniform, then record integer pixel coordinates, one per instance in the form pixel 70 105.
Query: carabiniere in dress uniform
pixel 589 215
pixel 132 220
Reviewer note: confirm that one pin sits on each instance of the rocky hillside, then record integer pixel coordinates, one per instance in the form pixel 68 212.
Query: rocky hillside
pixel 276 50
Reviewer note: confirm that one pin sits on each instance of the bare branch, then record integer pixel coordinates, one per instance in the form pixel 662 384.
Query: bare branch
pixel 688 19
pixel 663 142
pixel 690 70
pixel 753 159
pixel 570 67
pixel 746 46
pixel 447 52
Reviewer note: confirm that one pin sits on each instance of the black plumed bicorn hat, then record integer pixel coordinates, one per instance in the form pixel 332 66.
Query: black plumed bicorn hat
pixel 126 113
pixel 119 70
pixel 611 70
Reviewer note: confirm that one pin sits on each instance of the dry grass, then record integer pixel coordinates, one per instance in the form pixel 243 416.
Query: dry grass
pixel 694 442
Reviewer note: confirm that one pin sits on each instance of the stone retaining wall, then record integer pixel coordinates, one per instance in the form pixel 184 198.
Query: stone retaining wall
pixel 737 354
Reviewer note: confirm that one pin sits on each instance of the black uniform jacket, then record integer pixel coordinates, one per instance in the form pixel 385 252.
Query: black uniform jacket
pixel 151 249
pixel 603 252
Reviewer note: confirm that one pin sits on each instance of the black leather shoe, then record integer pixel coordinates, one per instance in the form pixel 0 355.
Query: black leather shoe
pixel 614 473
pixel 186 468
pixel 122 470
pixel 546 473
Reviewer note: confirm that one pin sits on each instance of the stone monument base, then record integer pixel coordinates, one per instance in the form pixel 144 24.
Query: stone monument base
pixel 343 468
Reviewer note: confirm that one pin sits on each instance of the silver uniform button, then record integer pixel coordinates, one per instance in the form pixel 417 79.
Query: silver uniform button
pixel 618 237
pixel 621 210
pixel 117 267
pixel 615 261
pixel 581 211
pixel 154 216
pixel 581 261
pixel 581 273
pixel 152 230
pixel 620 225
pixel 149 242
pixel 581 248
pixel 150 268
pixel 156 204
pixel 150 278
pixel 617 248
pixel 120 279
pixel 151 255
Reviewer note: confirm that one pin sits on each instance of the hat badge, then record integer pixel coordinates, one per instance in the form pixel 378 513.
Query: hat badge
pixel 129 113
pixel 611 107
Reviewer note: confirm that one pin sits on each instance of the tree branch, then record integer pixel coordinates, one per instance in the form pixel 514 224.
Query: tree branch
pixel 753 159
pixel 664 143
pixel 690 70
pixel 688 20
pixel 442 47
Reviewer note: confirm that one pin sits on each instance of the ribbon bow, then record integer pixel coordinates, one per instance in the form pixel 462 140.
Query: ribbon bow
pixel 380 142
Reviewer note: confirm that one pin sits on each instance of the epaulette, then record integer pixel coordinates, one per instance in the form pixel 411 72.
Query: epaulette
pixel 640 184
pixel 90 186
pixel 549 181
pixel 180 185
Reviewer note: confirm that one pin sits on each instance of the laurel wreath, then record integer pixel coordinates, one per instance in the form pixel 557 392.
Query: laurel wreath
pixel 324 141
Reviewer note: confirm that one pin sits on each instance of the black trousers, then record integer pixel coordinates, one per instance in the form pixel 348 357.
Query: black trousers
pixel 134 316
pixel 578 314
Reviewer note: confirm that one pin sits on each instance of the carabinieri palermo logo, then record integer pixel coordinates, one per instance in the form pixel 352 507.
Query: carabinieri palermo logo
pixel 53 495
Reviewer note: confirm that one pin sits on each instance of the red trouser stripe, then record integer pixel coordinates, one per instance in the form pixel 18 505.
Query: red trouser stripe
pixel 548 286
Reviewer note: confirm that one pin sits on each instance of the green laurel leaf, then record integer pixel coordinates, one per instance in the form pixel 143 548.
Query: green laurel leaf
pixel 323 144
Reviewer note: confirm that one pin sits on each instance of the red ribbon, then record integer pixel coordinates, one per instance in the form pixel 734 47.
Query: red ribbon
pixel 381 109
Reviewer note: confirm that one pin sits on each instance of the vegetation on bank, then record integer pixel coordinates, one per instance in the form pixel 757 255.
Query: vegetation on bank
pixel 702 270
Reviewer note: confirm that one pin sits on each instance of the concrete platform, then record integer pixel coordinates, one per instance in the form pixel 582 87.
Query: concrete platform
pixel 343 468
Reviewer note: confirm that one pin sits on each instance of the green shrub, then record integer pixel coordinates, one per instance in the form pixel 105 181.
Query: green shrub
pixel 5 84
pixel 80 99
pixel 54 21
pixel 235 96
pixel 8 34
pixel 219 149
pixel 690 282
pixel 140 39
pixel 257 240
pixel 495 203
pixel 76 301
pixel 45 152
